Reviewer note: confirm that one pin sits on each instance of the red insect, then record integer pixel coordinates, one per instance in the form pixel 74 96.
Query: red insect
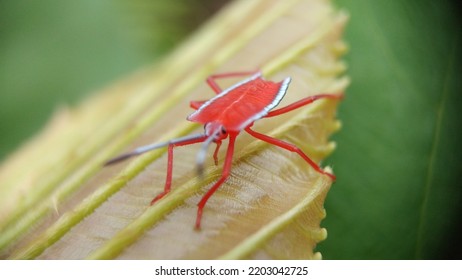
pixel 227 114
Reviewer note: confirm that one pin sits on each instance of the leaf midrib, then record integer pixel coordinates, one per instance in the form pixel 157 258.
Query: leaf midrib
pixel 434 149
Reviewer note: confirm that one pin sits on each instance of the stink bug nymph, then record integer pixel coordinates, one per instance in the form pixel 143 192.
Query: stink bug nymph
pixel 225 116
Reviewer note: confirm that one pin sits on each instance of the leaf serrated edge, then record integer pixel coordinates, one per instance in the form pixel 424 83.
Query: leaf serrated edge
pixel 68 220
pixel 251 244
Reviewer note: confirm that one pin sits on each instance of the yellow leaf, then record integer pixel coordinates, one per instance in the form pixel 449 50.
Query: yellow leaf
pixel 58 202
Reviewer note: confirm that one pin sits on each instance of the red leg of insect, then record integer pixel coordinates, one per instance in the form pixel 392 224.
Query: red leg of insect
pixel 168 180
pixel 216 88
pixel 196 104
pixel 224 176
pixel 289 147
pixel 215 154
pixel 302 102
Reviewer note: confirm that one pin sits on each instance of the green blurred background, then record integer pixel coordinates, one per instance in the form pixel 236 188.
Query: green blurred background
pixel 399 158
pixel 56 52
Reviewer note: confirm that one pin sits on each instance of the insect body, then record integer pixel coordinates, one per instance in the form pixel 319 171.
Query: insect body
pixel 226 115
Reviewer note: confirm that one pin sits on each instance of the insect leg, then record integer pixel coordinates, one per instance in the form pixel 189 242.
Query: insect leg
pixel 194 138
pixel 216 88
pixel 302 102
pixel 289 147
pixel 168 180
pixel 215 154
pixel 196 104
pixel 211 81
pixel 224 176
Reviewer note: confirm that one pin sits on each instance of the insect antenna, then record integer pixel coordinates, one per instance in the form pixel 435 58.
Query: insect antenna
pixel 147 148
pixel 200 159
